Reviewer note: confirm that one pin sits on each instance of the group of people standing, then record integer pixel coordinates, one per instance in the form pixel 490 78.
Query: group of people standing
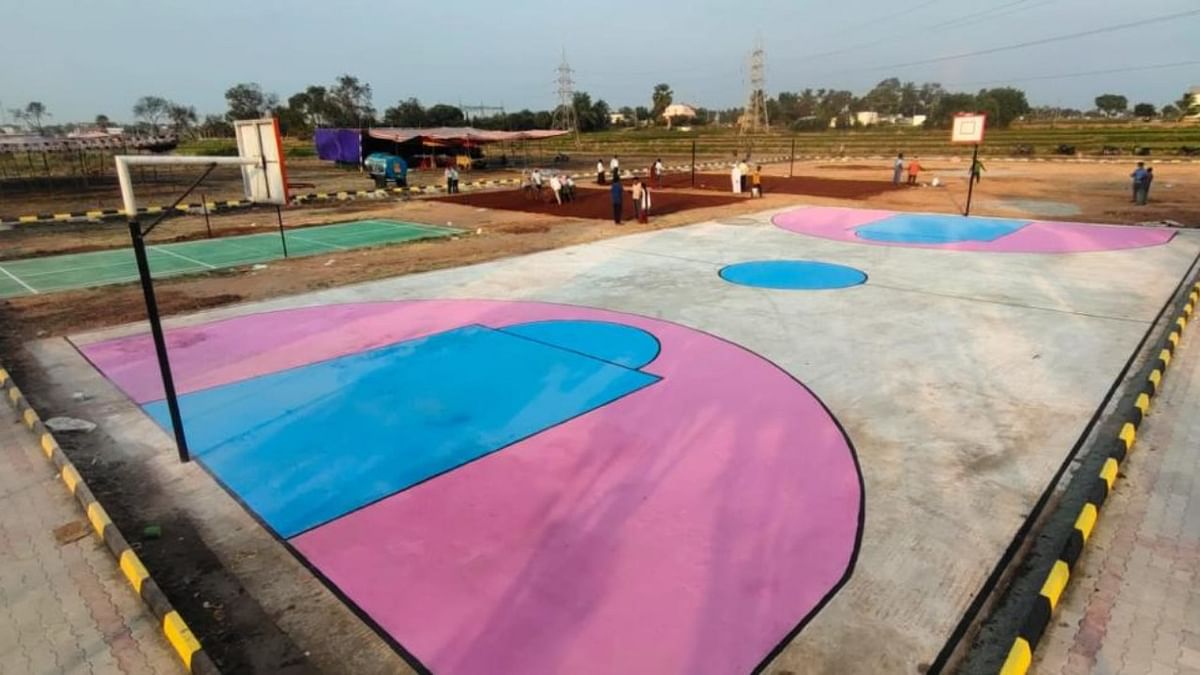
pixel 641 200
pixel 451 180
pixel 1142 178
pixel 742 179
pixel 900 167
pixel 562 186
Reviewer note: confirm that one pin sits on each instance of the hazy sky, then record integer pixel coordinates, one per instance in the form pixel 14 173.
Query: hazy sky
pixel 86 57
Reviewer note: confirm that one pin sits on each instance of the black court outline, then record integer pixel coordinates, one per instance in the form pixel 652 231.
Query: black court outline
pixel 865 277
pixel 395 644
pixel 870 242
pixel 652 336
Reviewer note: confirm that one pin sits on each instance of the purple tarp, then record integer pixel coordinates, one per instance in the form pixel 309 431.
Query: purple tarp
pixel 339 145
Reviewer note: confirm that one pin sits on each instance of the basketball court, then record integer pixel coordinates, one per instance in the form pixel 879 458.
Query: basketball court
pixel 715 448
pixel 98 268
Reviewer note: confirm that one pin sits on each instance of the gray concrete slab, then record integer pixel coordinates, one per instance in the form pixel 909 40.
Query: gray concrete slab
pixel 962 378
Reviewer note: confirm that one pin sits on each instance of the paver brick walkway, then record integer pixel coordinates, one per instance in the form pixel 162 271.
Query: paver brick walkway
pixel 64 606
pixel 1135 606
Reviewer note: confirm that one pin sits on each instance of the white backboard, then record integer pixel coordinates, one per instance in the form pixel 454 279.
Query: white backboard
pixel 968 128
pixel 266 179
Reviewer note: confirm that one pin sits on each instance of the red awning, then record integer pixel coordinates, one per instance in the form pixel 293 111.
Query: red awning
pixel 459 135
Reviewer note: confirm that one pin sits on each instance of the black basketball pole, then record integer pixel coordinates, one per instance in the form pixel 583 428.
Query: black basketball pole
pixel 204 208
pixel 693 162
pixel 971 179
pixel 792 163
pixel 138 236
pixel 160 342
pixel 279 217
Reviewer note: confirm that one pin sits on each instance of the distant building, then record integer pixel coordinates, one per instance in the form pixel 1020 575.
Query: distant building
pixel 866 118
pixel 678 111
pixel 918 120
pixel 1194 92
pixel 615 118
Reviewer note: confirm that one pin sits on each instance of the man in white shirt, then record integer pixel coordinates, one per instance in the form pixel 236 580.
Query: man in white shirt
pixel 615 167
pixel 600 172
pixel 735 177
pixel 658 172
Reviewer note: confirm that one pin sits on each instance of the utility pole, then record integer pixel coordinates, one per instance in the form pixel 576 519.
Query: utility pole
pixel 565 116
pixel 754 119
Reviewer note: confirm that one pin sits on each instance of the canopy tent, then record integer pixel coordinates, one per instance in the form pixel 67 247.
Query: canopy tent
pixel 351 145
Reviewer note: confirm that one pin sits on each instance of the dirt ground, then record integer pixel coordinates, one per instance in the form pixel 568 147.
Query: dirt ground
pixel 589 203
pixel 499 224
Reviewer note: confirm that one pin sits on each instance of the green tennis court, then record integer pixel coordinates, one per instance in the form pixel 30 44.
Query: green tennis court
pixel 31 276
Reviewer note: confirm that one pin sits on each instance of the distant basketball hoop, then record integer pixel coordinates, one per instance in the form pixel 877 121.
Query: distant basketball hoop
pixel 968 128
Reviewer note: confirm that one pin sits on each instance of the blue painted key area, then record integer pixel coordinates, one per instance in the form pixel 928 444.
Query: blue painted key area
pixel 792 275
pixel 918 228
pixel 304 446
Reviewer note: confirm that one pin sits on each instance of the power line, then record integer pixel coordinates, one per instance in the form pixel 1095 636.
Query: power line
pixel 887 17
pixel 1110 71
pixel 976 15
pixel 1030 43
pixel 965 19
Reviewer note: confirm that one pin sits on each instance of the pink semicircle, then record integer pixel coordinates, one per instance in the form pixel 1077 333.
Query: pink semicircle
pixel 693 526
pixel 1038 236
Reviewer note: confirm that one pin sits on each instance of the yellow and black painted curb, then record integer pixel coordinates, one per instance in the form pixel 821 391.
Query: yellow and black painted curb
pixel 99 215
pixel 177 633
pixel 1130 413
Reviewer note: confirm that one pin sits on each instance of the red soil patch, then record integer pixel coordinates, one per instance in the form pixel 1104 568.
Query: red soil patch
pixel 589 202
pixel 802 185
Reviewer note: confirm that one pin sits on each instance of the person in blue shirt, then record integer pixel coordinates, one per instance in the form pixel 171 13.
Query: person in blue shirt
pixel 618 197
pixel 1144 194
pixel 1139 180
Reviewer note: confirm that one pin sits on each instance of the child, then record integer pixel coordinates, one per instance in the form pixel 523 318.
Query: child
pixel 914 169
pixel 644 207
pixel 756 182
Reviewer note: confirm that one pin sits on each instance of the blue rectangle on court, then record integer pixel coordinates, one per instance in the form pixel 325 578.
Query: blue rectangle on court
pixel 304 446
pixel 921 228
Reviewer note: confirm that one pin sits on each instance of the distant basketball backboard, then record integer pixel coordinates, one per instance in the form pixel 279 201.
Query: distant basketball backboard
pixel 260 155
pixel 968 128
pixel 266 180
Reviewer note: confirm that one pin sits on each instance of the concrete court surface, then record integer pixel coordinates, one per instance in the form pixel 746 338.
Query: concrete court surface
pixel 961 378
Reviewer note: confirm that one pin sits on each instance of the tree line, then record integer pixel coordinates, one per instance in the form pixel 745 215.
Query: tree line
pixel 348 102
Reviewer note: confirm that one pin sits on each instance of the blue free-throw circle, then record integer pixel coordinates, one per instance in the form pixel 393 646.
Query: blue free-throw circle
pixel 792 275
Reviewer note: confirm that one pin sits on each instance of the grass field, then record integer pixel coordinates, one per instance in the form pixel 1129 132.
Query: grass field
pixel 33 276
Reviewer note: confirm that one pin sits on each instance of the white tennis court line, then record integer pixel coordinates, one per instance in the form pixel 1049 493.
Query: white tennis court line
pixel 422 226
pixel 182 257
pixel 320 243
pixel 10 275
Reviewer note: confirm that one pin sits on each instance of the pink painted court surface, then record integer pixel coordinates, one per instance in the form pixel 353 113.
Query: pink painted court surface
pixel 690 526
pixel 954 233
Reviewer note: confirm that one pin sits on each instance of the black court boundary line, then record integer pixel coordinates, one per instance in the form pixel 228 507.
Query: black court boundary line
pixel 1020 537
pixel 404 653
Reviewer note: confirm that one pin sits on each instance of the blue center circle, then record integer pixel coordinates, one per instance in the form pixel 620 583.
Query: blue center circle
pixel 793 275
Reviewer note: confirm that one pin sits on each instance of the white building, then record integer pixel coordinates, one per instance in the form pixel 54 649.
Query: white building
pixel 678 111
pixel 866 118
pixel 1194 92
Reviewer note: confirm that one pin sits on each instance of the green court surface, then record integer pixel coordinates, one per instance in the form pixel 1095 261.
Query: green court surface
pixel 83 270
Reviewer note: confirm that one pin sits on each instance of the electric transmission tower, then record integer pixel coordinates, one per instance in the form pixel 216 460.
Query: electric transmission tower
pixel 754 119
pixel 565 117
